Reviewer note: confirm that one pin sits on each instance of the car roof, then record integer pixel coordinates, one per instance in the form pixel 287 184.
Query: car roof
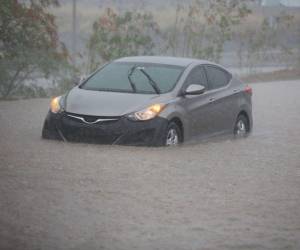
pixel 177 61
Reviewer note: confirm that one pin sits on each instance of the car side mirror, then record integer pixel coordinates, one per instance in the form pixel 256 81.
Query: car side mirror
pixel 194 89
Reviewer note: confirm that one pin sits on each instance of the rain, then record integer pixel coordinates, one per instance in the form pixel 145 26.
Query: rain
pixel 210 192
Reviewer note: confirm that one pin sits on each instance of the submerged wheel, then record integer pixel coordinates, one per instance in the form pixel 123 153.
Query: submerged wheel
pixel 173 135
pixel 241 128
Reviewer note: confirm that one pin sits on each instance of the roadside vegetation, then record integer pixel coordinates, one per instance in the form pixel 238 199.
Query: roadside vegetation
pixel 35 63
pixel 29 47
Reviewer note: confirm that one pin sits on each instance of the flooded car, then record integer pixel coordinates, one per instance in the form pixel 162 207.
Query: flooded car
pixel 154 101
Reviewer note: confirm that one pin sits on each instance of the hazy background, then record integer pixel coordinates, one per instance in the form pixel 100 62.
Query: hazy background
pixel 251 38
pixel 164 12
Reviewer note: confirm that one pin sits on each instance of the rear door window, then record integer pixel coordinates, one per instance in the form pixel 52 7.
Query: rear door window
pixel 217 77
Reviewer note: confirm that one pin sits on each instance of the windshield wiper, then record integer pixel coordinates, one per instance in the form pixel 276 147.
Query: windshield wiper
pixel 130 80
pixel 151 81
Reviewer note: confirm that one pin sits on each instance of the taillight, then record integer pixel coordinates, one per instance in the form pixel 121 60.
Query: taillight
pixel 248 90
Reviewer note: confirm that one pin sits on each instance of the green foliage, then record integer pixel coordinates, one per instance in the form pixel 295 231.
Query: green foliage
pixel 121 34
pixel 204 26
pixel 29 45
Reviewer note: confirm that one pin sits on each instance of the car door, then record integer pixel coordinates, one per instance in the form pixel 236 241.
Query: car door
pixel 222 98
pixel 197 107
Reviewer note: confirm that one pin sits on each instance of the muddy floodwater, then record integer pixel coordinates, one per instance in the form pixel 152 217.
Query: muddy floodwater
pixel 220 194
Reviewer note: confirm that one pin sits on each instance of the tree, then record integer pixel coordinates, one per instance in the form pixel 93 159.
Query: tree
pixel 29 45
pixel 116 35
pixel 204 27
pixel 266 42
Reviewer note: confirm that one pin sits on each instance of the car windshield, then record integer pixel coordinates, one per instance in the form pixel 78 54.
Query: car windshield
pixel 134 78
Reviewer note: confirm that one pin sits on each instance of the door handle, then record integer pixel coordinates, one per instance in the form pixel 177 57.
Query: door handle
pixel 211 99
pixel 235 90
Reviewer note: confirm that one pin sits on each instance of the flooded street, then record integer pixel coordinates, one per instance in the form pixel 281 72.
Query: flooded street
pixel 224 194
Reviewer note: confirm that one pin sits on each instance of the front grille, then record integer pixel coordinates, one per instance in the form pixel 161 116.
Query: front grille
pixel 85 128
pixel 92 119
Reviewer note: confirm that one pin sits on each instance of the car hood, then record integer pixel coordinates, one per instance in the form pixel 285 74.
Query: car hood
pixel 101 103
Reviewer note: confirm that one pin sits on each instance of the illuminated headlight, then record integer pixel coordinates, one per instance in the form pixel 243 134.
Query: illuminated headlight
pixel 56 104
pixel 147 113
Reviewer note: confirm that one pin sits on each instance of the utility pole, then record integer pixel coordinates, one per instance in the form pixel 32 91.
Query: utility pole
pixel 74 29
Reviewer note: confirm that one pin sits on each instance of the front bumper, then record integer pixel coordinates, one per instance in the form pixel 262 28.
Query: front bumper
pixel 121 131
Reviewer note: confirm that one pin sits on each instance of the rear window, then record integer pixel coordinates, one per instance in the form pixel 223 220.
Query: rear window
pixel 217 77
